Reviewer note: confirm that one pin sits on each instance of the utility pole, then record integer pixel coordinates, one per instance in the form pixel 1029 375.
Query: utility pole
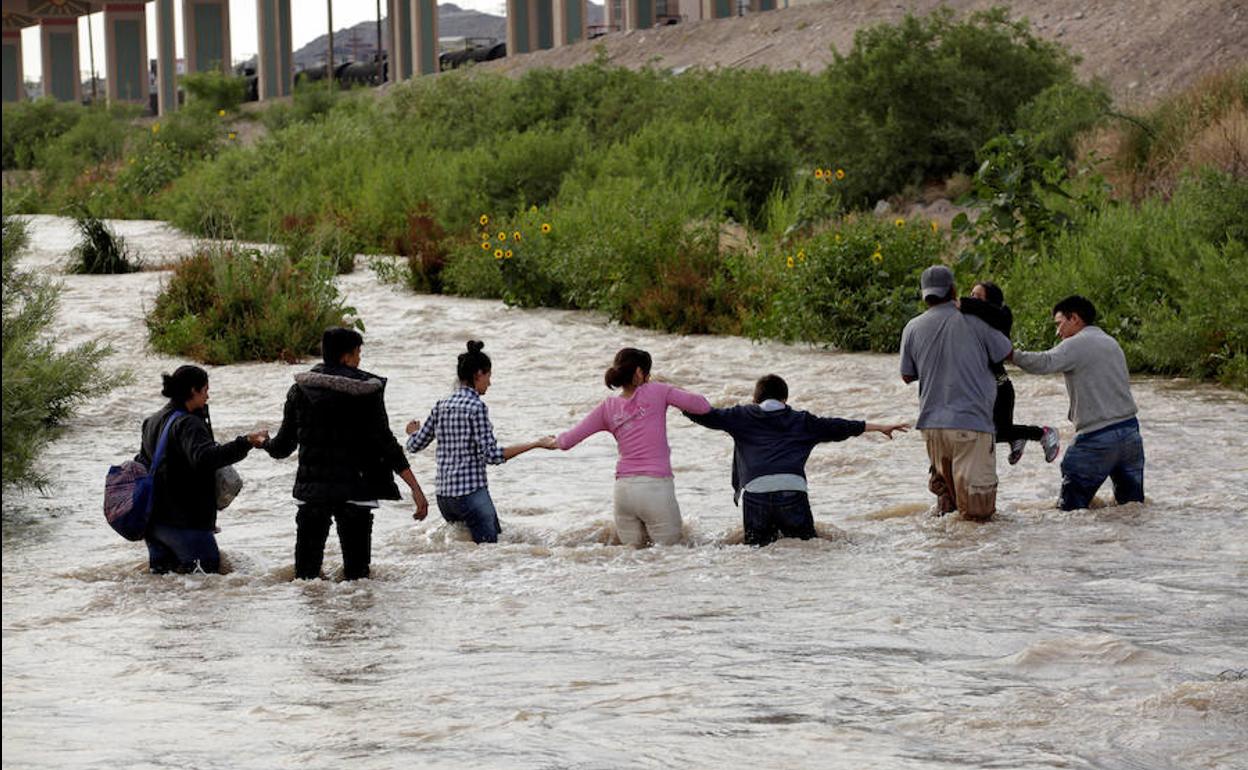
pixel 329 55
pixel 379 48
pixel 95 96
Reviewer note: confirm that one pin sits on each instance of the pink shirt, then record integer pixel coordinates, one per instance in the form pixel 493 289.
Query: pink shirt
pixel 639 425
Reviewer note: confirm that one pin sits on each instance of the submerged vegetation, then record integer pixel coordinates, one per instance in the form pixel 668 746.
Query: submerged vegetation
pixel 100 250
pixel 732 201
pixel 227 304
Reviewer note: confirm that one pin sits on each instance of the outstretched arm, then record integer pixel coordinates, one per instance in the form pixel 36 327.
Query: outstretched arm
pixel 1058 359
pixel 545 442
pixel 690 403
pixel 419 436
pixel 887 429
pixel 287 438
pixel 594 422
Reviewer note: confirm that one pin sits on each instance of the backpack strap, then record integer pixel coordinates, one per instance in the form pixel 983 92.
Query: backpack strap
pixel 164 439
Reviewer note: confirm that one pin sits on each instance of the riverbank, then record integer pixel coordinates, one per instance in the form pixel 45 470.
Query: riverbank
pixel 735 201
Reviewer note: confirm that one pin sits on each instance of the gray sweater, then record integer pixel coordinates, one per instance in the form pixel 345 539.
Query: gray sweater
pixel 1096 377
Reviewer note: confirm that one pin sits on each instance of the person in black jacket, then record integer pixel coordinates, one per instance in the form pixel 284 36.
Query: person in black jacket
pixel 987 301
pixel 336 416
pixel 180 536
pixel 771 443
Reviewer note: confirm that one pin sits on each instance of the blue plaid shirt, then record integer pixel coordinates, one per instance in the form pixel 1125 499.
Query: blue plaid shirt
pixel 466 443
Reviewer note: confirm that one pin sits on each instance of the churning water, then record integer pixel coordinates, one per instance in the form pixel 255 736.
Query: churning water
pixel 1107 638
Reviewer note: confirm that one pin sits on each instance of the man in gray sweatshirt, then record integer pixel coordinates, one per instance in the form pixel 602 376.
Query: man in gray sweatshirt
pixel 1107 434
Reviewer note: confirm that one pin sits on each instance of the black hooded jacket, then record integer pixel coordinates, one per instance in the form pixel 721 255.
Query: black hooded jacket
pixel 186 488
pixel 336 416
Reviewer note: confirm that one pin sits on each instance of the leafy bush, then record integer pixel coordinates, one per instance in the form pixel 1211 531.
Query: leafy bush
pixel 29 126
pixel 853 286
pixel 1167 279
pixel 99 250
pixel 1026 201
pixel 215 90
pixel 237 304
pixel 42 386
pixel 915 100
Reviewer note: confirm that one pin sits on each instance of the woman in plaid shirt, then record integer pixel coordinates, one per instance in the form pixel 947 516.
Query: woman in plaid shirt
pixel 466 444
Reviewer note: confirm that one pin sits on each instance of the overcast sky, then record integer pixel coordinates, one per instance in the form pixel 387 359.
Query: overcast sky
pixel 308 21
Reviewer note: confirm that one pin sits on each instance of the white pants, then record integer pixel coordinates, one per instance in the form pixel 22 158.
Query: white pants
pixel 646 511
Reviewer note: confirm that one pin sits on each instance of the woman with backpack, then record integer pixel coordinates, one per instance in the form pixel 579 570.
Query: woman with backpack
pixel 180 535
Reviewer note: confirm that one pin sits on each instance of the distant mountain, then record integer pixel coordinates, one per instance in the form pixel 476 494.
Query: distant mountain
pixel 359 43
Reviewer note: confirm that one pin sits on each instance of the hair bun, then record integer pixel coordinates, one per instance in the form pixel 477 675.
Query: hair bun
pixel 475 346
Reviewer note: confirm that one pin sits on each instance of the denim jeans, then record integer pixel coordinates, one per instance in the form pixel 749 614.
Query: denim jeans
pixel 355 535
pixel 1115 452
pixel 768 516
pixel 177 549
pixel 476 510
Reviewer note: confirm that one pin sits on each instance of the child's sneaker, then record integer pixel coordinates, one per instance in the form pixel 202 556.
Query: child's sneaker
pixel 1016 450
pixel 1052 444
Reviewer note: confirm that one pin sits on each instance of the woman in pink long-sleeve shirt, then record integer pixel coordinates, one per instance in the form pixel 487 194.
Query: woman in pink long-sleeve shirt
pixel 645 493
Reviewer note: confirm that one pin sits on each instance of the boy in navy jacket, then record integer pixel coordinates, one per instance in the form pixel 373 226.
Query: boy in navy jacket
pixel 772 442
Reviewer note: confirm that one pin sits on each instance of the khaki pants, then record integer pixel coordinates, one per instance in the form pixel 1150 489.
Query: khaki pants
pixel 646 511
pixel 963 475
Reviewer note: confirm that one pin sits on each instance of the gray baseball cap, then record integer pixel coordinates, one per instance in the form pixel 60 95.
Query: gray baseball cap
pixel 937 280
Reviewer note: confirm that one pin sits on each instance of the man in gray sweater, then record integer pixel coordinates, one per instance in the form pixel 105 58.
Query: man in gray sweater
pixel 1107 434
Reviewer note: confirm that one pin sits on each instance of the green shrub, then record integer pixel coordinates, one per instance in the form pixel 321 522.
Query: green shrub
pixel 916 100
pixel 42 385
pixel 28 126
pixel 853 287
pixel 237 304
pixel 215 90
pixel 1167 279
pixel 1053 121
pixel 99 249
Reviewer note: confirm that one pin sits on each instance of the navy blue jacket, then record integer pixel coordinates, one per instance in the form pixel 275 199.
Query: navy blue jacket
pixel 767 443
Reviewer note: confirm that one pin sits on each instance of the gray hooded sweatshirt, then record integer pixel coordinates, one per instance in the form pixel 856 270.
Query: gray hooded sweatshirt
pixel 1096 377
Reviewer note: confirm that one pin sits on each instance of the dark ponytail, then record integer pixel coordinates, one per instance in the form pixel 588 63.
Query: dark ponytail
pixel 627 361
pixel 472 362
pixel 177 387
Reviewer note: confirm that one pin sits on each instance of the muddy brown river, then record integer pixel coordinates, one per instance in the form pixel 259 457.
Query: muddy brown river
pixel 1108 638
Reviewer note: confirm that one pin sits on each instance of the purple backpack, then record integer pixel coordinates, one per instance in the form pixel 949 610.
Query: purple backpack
pixel 128 490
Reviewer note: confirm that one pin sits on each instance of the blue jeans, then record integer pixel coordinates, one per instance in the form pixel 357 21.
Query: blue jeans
pixel 475 509
pixel 1115 452
pixel 176 549
pixel 768 516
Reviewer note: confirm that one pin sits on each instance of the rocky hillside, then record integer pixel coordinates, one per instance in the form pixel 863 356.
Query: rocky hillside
pixel 1140 48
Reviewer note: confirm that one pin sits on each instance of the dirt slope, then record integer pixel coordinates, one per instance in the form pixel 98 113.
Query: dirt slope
pixel 1141 48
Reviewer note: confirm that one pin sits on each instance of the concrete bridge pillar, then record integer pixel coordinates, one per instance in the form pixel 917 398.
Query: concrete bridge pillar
pixel 399 47
pixel 571 21
pixel 638 14
pixel 424 36
pixel 14 78
pixel 758 6
pixel 530 26
pixel 206 35
pixel 62 79
pixel 125 52
pixel 166 58
pixel 719 9
pixel 274 60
